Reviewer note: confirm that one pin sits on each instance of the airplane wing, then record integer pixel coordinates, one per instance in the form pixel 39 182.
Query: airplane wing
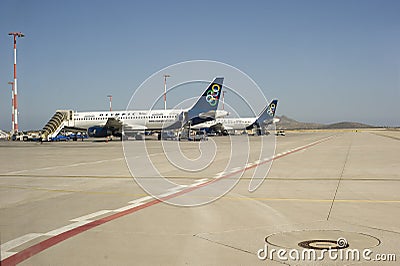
pixel 228 128
pixel 114 127
pixel 113 123
pixel 219 127
pixel 134 127
pixel 116 123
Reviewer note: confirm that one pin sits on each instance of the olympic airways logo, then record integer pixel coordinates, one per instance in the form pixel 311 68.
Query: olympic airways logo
pixel 212 94
pixel 271 109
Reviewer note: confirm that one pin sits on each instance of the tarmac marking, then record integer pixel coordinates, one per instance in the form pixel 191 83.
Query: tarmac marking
pixel 66 228
pixel 127 207
pixel 219 174
pixel 250 164
pixel 66 232
pixel 178 187
pixel 236 169
pixel 16 243
pixel 5 176
pixel 64 166
pixel 386 136
pixel 6 254
pixel 141 199
pixel 312 200
pixel 200 181
pixel 166 194
pixel 72 191
pixel 89 216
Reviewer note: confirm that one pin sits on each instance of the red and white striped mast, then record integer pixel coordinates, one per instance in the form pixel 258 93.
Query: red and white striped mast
pixel 12 106
pixel 110 96
pixel 165 90
pixel 15 98
pixel 223 100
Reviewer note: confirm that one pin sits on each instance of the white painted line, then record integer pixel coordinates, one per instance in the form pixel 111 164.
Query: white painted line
pixel 127 207
pixel 16 172
pixel 89 216
pixel 66 228
pixel 177 188
pixel 64 166
pixel 45 168
pixel 140 199
pixel 219 175
pixel 249 165
pixel 166 194
pixel 95 162
pixel 157 153
pixel 18 241
pixel 198 182
pixel 236 169
pixel 6 254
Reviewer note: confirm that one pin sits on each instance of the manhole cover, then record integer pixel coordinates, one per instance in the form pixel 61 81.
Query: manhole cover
pixel 322 239
pixel 324 244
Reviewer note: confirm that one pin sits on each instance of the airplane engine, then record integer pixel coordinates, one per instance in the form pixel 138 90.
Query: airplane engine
pixel 98 132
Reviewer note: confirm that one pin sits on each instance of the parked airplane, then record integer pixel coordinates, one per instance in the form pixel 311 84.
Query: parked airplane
pixel 266 117
pixel 104 124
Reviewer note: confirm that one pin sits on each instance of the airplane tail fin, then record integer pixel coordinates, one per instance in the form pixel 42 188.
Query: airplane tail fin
pixel 269 111
pixel 266 116
pixel 205 108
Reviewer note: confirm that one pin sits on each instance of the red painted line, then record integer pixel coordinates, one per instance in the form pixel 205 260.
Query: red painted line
pixel 45 244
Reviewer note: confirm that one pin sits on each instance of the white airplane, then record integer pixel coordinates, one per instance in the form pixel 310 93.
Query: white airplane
pixel 106 123
pixel 266 117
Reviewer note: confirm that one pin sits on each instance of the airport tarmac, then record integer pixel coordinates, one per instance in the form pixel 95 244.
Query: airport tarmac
pixel 76 203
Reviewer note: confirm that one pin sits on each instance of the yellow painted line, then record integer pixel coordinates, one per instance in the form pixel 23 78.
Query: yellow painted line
pixel 93 176
pixel 225 198
pixel 312 200
pixel 196 177
pixel 63 176
pixel 324 179
pixel 75 191
pixel 386 136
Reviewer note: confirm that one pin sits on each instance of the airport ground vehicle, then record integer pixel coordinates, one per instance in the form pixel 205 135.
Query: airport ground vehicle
pixel 60 138
pixel 20 136
pixel 199 136
pixel 167 135
pixel 26 136
pixel 280 133
pixel 79 135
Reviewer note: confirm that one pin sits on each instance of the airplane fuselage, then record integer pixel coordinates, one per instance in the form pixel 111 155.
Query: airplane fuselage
pixel 228 123
pixel 138 119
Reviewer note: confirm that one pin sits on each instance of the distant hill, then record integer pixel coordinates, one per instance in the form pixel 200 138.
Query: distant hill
pixel 289 123
pixel 347 125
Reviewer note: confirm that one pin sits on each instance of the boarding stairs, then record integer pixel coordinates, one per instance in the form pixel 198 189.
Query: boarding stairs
pixel 58 121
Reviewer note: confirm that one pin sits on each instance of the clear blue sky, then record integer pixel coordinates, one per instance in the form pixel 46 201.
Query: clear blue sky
pixel 325 61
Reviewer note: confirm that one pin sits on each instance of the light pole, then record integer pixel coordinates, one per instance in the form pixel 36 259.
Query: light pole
pixel 15 34
pixel 165 90
pixel 110 96
pixel 12 106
